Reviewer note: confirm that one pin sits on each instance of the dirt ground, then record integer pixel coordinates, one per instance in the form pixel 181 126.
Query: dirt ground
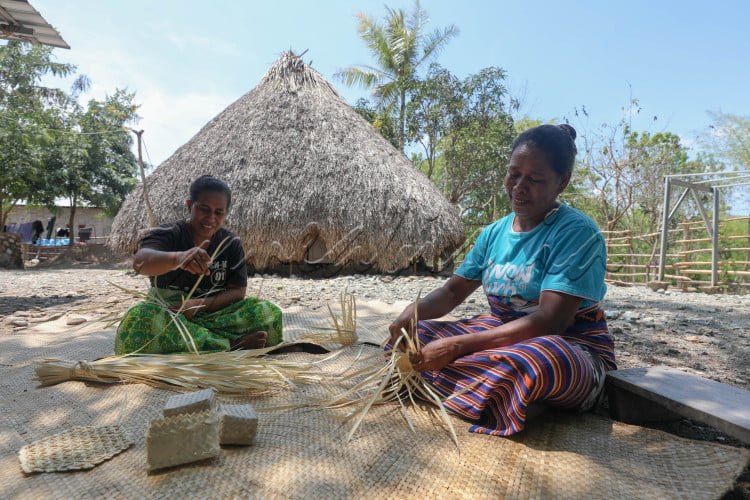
pixel 708 335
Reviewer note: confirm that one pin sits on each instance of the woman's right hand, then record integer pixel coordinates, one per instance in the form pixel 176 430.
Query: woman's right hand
pixel 196 260
pixel 404 322
pixel 435 304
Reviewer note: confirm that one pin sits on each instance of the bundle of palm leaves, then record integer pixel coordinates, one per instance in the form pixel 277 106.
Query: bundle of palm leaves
pixel 226 372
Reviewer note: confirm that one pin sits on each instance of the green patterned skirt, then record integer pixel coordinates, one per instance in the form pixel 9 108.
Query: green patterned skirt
pixel 149 329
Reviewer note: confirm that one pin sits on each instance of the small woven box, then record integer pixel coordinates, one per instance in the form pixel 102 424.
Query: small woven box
pixel 239 424
pixel 190 402
pixel 182 439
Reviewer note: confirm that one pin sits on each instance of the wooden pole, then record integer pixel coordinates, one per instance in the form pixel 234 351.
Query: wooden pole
pixel 149 212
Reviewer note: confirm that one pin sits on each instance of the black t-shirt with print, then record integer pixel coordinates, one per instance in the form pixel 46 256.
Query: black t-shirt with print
pixel 227 268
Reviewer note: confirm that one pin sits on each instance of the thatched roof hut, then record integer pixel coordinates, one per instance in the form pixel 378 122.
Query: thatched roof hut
pixel 310 179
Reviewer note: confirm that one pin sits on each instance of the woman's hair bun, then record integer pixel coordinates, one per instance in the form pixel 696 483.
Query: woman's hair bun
pixel 569 129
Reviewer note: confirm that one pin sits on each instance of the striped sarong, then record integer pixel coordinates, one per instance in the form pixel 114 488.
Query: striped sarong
pixel 553 369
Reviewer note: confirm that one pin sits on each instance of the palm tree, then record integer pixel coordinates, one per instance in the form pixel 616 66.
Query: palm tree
pixel 400 47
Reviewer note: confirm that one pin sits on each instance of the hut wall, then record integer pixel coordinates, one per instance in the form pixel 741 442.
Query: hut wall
pixel 87 217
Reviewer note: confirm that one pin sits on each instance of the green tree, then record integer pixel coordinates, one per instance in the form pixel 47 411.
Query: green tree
pixel 623 172
pixel 110 158
pixel 400 46
pixel 525 122
pixel 465 129
pixel 730 138
pixel 65 159
pixel 27 111
pixel 91 160
pixel 434 104
pixel 620 180
pixel 382 122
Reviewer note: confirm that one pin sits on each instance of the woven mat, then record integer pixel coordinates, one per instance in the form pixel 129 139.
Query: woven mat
pixel 73 449
pixel 303 453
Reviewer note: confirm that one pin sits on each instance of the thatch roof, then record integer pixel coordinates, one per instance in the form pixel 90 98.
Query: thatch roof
pixel 302 165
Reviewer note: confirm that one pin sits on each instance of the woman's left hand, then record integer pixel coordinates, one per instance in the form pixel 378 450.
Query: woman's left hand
pixel 437 354
pixel 189 307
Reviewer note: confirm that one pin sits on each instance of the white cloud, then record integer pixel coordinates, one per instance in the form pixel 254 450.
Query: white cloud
pixel 171 110
pixel 170 119
pixel 203 43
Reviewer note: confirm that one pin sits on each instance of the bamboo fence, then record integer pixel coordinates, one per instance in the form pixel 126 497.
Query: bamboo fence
pixel 634 258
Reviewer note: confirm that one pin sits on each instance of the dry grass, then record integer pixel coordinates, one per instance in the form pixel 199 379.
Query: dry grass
pixel 343 329
pixel 226 372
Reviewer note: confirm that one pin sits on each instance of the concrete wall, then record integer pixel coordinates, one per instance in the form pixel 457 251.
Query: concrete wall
pixel 86 217
pixel 10 251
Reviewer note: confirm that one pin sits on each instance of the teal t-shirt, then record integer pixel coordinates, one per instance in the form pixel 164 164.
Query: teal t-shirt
pixel 565 253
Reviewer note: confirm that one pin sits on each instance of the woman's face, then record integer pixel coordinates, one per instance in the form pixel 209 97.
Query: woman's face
pixel 207 214
pixel 532 185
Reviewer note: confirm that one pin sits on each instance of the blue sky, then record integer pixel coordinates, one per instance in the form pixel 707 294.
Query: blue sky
pixel 188 60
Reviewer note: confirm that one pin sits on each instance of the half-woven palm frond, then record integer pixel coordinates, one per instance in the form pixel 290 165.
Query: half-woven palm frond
pixel 388 377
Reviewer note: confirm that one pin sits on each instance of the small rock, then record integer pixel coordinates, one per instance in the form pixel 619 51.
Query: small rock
pixel 19 322
pixel 75 321
pixel 631 316
pixel 55 316
pixel 648 321
pixel 612 314
pixel 693 338
pixel 657 285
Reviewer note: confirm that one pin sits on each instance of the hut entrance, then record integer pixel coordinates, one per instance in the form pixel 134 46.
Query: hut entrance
pixel 317 253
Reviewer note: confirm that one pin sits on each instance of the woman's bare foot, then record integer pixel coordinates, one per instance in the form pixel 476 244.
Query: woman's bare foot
pixel 255 340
